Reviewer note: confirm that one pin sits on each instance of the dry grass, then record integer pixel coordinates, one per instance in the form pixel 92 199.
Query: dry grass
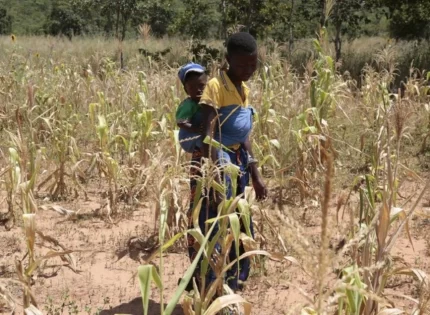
pixel 74 119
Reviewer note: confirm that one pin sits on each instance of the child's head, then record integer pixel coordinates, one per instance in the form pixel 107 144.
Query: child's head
pixel 194 79
pixel 242 55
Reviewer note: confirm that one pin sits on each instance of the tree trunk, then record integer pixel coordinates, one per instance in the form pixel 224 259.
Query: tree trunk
pixel 124 27
pixel 253 12
pixel 338 41
pixel 322 12
pixel 118 16
pixel 223 28
pixel 291 40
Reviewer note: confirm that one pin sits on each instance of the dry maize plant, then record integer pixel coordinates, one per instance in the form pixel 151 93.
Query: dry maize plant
pixel 23 176
pixel 213 247
pixel 362 260
pixel 347 181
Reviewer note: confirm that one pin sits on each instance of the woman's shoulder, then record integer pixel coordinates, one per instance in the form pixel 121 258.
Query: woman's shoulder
pixel 215 81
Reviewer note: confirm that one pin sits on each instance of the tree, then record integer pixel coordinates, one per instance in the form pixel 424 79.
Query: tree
pixel 122 10
pixel 259 17
pixel 63 20
pixel 117 14
pixel 5 22
pixel 308 18
pixel 159 14
pixel 346 15
pixel 409 19
pixel 196 19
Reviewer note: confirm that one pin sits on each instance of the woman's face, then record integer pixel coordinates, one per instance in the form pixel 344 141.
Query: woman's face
pixel 242 65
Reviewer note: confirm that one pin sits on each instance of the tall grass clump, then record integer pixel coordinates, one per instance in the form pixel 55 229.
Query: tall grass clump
pixel 72 119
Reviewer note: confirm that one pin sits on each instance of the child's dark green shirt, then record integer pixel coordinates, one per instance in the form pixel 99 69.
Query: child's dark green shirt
pixel 186 110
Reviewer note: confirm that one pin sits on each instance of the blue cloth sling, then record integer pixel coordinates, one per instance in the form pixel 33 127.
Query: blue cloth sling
pixel 235 122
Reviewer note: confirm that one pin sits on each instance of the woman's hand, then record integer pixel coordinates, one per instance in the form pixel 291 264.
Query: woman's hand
pixel 260 188
pixel 257 182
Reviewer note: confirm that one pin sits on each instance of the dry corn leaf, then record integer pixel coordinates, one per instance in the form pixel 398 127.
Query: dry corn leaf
pixel 382 227
pixel 32 310
pixel 420 275
pixel 61 210
pixel 69 257
pixel 227 300
pixel 6 296
pixel 403 216
pixel 391 311
pixel 187 306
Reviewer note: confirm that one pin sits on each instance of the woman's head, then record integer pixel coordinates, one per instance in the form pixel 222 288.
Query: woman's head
pixel 242 56
pixel 194 79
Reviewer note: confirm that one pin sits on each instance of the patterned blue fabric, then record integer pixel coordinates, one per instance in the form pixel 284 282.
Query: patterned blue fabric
pixel 236 125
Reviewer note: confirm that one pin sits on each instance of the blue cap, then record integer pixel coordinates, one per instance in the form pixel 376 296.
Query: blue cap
pixel 189 67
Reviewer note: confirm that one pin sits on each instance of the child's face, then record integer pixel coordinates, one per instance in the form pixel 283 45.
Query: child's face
pixel 195 86
pixel 242 65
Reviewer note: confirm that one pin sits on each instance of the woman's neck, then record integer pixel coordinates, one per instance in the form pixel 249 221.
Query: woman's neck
pixel 237 83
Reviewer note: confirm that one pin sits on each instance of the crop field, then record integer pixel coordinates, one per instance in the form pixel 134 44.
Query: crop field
pixel 94 185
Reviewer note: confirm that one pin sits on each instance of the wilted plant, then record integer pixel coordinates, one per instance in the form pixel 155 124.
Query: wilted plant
pixel 307 138
pixel 61 127
pixel 24 186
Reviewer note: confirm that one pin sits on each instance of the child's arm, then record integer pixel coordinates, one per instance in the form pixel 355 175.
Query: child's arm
pixel 257 179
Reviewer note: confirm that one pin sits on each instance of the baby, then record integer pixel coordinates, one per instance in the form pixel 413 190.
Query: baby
pixel 188 116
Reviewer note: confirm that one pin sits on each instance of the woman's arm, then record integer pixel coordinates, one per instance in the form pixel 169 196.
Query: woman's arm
pixel 209 123
pixel 257 179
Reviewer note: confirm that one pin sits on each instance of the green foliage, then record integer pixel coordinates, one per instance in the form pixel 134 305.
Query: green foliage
pixel 348 15
pixel 159 14
pixel 63 20
pixel 5 22
pixel 282 20
pixel 197 19
pixel 409 20
pixel 27 16
pixel 351 12
pixel 257 16
pixel 117 13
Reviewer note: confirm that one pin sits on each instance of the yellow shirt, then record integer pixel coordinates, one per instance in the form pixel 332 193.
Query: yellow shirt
pixel 220 92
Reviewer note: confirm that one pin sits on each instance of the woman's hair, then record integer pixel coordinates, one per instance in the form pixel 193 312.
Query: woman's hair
pixel 241 42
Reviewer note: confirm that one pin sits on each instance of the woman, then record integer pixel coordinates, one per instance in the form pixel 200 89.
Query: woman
pixel 227 118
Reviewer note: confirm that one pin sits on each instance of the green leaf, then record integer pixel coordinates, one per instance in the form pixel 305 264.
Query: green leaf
pixel 147 273
pixel 188 274
pixel 235 227
pixel 212 142
pixel 244 210
pixel 172 241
